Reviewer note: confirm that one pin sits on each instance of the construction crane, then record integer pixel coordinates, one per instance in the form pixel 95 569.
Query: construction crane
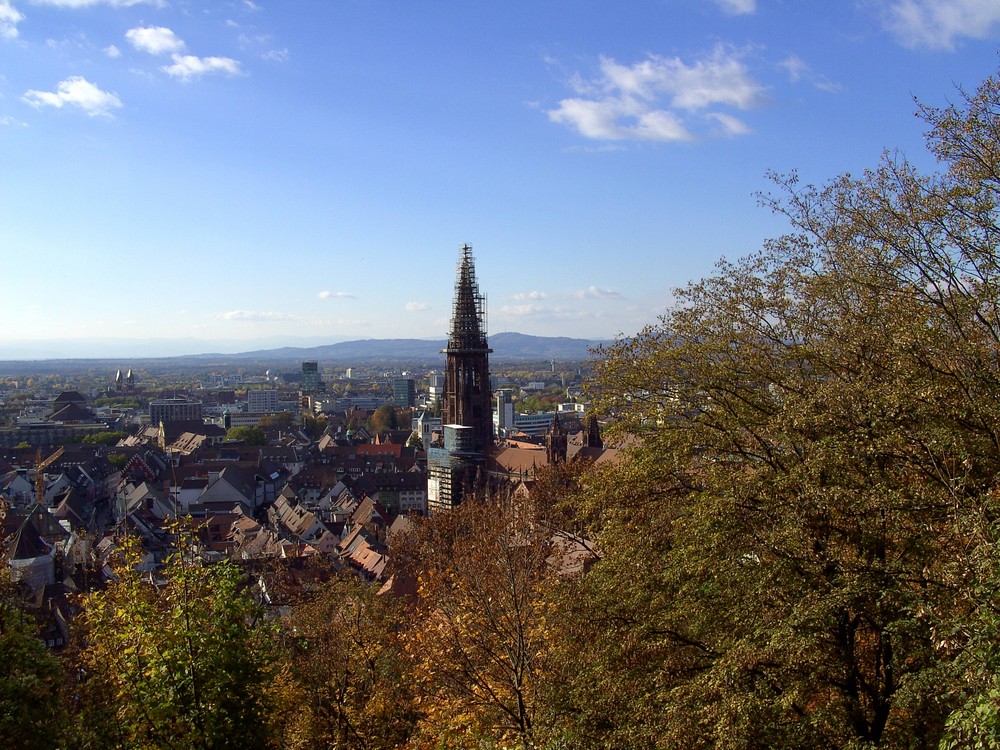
pixel 40 467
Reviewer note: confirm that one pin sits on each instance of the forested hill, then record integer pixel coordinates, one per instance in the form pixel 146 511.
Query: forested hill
pixel 506 346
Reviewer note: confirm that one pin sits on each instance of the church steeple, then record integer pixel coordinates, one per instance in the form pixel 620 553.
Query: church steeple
pixel 467 395
pixel 556 441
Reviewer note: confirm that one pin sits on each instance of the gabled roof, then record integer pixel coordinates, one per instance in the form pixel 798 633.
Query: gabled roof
pixel 26 543
pixel 73 508
pixel 71 412
pixel 69 397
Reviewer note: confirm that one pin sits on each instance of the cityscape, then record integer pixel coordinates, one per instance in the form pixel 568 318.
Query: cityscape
pixel 698 448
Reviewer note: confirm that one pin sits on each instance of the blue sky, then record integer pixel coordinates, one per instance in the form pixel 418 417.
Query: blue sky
pixel 239 171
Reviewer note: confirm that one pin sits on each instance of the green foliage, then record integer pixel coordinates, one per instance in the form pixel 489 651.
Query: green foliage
pixel 110 437
pixel 32 713
pixel 184 665
pixel 788 555
pixel 246 435
pixel 123 402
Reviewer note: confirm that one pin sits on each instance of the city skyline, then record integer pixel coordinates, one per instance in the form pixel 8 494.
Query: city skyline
pixel 251 172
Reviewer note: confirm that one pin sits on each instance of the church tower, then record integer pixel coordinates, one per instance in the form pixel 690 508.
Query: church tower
pixel 467 395
pixel 467 414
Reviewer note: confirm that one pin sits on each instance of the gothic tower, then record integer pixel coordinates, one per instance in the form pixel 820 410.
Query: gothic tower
pixel 467 414
pixel 556 442
pixel 467 395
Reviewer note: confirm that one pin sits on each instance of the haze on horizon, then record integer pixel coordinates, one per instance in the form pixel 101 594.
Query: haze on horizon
pixel 264 172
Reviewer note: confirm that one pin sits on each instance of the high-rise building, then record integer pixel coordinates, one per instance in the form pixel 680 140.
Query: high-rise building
pixel 310 377
pixel 404 392
pixel 467 414
pixel 173 410
pixel 503 416
pixel 262 401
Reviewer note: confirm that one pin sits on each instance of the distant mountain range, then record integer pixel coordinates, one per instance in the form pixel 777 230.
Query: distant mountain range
pixel 506 346
pixel 58 356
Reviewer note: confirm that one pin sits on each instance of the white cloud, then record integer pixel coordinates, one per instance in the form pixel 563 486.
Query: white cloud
pixel 275 55
pixel 10 17
pixel 937 24
pixel 326 294
pixel 594 292
pixel 534 295
pixel 8 121
pixel 650 99
pixel 256 316
pixel 156 40
pixel 799 71
pixel 78 92
pixel 187 67
pixel 737 7
pixel 522 311
pixel 112 51
pixel 416 306
pixel 730 125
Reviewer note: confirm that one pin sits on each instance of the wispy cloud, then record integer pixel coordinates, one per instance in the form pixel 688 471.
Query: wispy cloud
pixel 10 17
pixel 938 24
pixel 327 294
pixel 529 296
pixel 737 7
pixel 654 99
pixel 187 67
pixel 76 91
pixel 416 306
pixel 800 72
pixel 275 55
pixel 112 51
pixel 156 40
pixel 256 316
pixel 594 292
pixel 522 311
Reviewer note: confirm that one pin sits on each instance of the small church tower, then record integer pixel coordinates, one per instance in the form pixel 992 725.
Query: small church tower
pixel 556 442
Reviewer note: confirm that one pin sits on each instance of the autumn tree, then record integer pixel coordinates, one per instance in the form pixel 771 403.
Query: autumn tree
pixel 383 419
pixel 479 641
pixel 796 547
pixel 349 664
pixel 184 664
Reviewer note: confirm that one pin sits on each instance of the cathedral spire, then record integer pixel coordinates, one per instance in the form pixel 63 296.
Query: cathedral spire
pixel 468 317
pixel 467 394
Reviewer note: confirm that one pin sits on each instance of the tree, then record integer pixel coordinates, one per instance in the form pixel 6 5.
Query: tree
pixel 383 419
pixel 280 421
pixel 32 712
pixel 349 664
pixel 479 641
pixel 111 437
pixel 184 665
pixel 796 547
pixel 246 435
